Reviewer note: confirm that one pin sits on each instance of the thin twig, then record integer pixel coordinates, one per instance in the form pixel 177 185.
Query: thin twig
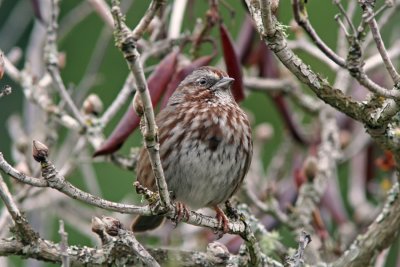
pixel 381 47
pixel 126 92
pixel 376 60
pixel 300 15
pixel 271 207
pixel 80 12
pixel 64 245
pixel 297 259
pixel 10 69
pixel 126 43
pixel 379 235
pixel 319 85
pixel 24 230
pixel 53 179
pixel 90 76
pixel 177 14
pixel 155 5
pixel 52 61
pixel 345 14
pixel 383 20
pixel 286 86
pixel 102 8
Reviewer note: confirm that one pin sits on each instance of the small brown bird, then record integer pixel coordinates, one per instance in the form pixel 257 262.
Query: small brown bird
pixel 205 145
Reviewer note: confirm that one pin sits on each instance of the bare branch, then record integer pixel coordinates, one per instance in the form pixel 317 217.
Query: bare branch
pixel 101 7
pixel 177 14
pixel 126 92
pixel 125 41
pixel 376 60
pixel 53 179
pixel 52 61
pixel 379 235
pixel 380 45
pixel 24 230
pixel 320 86
pixel 301 17
pixel 110 230
pixel 297 259
pixel 63 245
pixel 266 14
pixel 48 251
pixel 155 5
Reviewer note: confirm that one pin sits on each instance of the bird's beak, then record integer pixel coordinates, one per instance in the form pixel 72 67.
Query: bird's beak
pixel 224 83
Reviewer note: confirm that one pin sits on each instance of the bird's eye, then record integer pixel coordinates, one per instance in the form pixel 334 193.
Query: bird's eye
pixel 202 81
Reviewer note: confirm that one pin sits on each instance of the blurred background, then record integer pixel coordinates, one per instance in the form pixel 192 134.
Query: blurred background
pixel 87 46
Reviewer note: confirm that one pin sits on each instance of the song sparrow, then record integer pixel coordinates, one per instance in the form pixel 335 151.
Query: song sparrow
pixel 205 145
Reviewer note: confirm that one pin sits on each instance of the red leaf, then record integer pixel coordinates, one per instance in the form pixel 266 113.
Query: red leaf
pixel 157 84
pixel 245 40
pixel 2 67
pixel 269 69
pixel 232 63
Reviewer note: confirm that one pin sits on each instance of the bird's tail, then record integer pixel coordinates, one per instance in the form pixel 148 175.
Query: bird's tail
pixel 146 223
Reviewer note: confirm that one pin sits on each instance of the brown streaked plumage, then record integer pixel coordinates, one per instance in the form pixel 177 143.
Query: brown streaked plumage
pixel 205 144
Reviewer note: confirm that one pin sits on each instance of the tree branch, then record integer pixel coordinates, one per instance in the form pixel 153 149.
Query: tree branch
pixel 51 55
pixel 380 234
pixel 278 44
pixel 53 179
pixel 301 17
pixel 24 231
pixel 126 42
pixel 381 46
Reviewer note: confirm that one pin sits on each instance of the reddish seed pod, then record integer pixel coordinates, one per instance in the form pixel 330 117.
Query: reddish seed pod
pixel 125 127
pixel 269 69
pixel 157 84
pixel 232 63
pixel 1 65
pixel 245 40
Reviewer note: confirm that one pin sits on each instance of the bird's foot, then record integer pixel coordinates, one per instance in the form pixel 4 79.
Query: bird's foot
pixel 182 213
pixel 222 220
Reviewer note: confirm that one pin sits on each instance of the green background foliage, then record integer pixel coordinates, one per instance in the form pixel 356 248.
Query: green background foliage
pixel 79 44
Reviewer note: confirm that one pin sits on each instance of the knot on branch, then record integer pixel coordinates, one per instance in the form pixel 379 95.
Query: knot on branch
pixel 120 245
pixel 23 231
pixel 106 227
pixel 152 198
pixel 218 252
pixel 124 39
pixel 354 60
pixel 149 195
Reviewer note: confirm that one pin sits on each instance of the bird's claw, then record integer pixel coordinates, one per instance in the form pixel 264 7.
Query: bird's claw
pixel 223 221
pixel 182 213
